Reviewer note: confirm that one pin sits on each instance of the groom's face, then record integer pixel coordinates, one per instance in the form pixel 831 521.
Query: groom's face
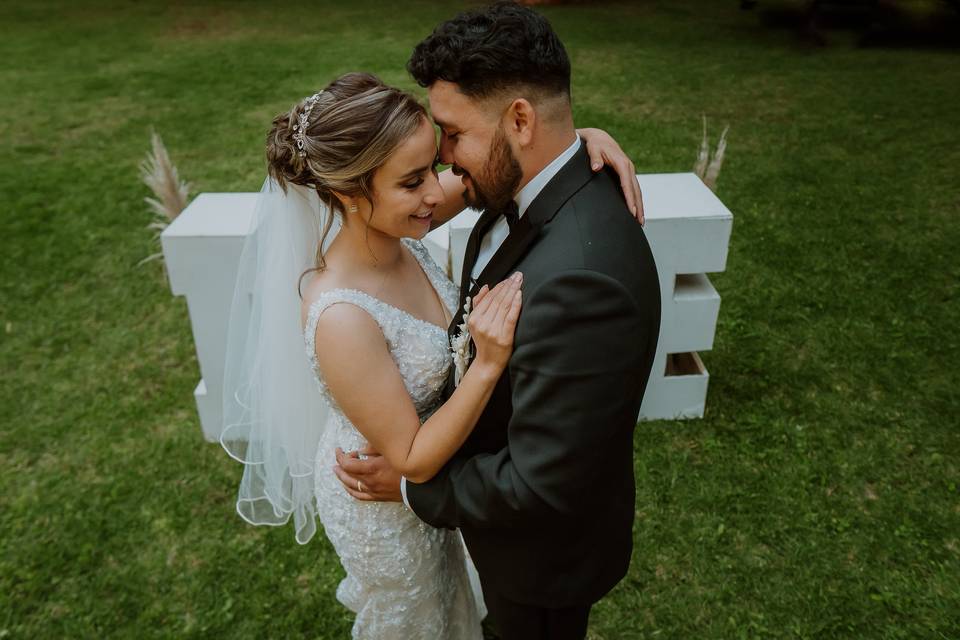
pixel 474 141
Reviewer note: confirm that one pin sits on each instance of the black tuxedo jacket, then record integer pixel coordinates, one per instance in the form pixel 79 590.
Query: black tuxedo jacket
pixel 543 490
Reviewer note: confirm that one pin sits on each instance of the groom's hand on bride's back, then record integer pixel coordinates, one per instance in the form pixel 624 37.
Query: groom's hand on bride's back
pixel 371 478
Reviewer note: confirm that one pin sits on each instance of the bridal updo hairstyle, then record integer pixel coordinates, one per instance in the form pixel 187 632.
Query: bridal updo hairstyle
pixel 494 50
pixel 353 128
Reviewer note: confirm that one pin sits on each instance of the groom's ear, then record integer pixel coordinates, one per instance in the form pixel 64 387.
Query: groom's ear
pixel 520 121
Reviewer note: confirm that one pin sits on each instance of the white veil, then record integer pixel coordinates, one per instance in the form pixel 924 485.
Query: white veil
pixel 273 413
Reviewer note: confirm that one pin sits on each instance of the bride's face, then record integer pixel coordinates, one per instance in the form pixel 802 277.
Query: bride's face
pixel 406 189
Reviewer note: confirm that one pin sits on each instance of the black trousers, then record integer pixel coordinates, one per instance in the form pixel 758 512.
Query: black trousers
pixel 514 621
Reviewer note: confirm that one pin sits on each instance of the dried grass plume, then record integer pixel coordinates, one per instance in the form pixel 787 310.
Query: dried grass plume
pixel 709 170
pixel 170 192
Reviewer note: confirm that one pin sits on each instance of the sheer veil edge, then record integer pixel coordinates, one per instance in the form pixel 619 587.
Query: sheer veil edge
pixel 273 413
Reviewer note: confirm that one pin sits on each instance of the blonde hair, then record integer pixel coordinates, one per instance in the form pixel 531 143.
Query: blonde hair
pixel 353 128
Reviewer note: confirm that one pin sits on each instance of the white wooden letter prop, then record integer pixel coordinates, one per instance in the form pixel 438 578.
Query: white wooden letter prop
pixel 686 224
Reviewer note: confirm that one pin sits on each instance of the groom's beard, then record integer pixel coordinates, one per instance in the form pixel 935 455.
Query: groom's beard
pixel 494 187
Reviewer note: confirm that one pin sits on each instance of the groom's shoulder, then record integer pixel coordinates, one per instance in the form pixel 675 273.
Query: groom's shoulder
pixel 594 231
pixel 596 219
pixel 602 193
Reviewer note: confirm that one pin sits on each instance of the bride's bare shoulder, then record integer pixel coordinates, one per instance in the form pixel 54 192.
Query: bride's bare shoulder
pixel 339 319
pixel 316 282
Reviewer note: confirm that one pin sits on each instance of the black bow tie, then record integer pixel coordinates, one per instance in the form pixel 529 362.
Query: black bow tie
pixel 512 213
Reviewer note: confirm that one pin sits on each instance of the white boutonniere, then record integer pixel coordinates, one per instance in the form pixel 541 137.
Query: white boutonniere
pixel 460 345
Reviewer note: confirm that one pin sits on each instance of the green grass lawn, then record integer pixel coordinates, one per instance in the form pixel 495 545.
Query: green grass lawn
pixel 817 498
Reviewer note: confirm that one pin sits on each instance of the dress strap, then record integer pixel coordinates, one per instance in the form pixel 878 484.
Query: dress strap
pixel 324 301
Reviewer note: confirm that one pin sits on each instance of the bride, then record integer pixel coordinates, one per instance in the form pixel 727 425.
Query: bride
pixel 334 266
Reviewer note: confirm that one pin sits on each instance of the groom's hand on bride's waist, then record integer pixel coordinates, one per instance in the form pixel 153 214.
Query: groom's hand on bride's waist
pixel 368 478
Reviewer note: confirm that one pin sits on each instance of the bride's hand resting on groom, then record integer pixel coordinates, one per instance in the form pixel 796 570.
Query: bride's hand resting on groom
pixel 604 150
pixel 366 474
pixel 493 321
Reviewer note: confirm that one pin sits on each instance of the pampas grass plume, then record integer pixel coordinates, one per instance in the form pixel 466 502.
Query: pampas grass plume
pixel 171 193
pixel 161 176
pixel 700 166
pixel 713 169
pixel 706 169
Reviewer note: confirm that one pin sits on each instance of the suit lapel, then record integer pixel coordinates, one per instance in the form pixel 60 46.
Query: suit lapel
pixel 571 177
pixel 469 258
pixel 509 254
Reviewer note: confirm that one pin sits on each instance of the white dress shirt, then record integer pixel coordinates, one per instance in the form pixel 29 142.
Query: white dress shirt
pixel 501 229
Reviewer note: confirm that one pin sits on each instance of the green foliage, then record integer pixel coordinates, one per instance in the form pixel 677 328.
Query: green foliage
pixel 819 496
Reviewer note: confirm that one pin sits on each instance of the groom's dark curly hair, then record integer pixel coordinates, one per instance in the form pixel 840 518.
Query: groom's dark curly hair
pixel 488 50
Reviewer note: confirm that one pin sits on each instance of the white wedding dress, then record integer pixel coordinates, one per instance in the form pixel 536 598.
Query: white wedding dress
pixel 405 579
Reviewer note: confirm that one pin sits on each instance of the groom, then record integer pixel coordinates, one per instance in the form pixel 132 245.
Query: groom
pixel 543 490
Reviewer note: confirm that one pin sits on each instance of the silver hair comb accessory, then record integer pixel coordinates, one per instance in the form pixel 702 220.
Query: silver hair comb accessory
pixel 300 129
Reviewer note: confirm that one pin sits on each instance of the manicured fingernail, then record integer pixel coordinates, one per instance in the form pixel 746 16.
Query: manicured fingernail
pixel 517 277
pixel 596 165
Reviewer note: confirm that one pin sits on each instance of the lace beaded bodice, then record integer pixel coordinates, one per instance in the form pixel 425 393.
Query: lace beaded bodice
pixel 420 348
pixel 405 579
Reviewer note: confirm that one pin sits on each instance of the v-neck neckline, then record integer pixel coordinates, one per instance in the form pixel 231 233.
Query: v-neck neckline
pixel 433 285
pixel 430 281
